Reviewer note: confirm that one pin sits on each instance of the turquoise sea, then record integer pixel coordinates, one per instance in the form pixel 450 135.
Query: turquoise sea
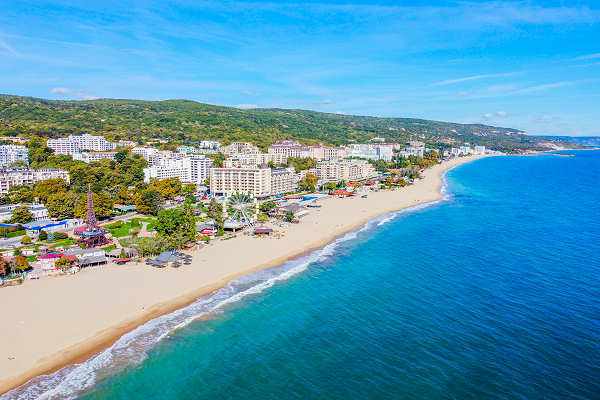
pixel 493 293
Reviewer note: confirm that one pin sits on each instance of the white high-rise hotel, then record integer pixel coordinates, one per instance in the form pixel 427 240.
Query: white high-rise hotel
pixel 77 143
pixel 11 153
pixel 191 169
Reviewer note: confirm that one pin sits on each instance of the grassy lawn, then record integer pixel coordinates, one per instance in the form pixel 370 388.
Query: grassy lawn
pixel 131 242
pixel 109 248
pixel 63 242
pixel 121 229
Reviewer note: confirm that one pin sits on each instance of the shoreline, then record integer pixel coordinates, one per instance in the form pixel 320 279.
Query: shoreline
pixel 92 343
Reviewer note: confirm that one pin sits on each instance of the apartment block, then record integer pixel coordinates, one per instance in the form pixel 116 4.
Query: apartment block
pixel 24 176
pixel 11 153
pixel 239 148
pixel 254 159
pixel 227 181
pixel 192 169
pixel 94 156
pixel 283 180
pixel 77 143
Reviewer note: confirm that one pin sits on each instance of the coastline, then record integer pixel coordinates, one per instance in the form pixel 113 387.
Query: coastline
pixel 125 297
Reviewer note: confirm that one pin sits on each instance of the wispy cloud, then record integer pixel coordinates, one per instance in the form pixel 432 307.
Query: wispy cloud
pixel 472 78
pixel 60 90
pixel 8 48
pixel 325 101
pixel 246 106
pixel 588 57
pixel 501 113
pixel 539 88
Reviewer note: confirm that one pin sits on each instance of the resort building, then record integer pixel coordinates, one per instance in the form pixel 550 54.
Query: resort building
pixel 413 151
pixel 348 170
pixel 77 143
pixel 227 181
pixel 12 153
pixel 209 144
pixel 283 180
pixel 379 151
pixel 94 156
pixel 254 160
pixel 465 150
pixel 290 148
pixel 150 154
pixel 239 148
pixel 24 176
pixel 187 149
pixel 38 212
pixel 191 169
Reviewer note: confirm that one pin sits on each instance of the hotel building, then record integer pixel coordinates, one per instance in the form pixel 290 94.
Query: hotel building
pixel 77 143
pixel 11 153
pixel 227 181
pixel 94 156
pixel 23 176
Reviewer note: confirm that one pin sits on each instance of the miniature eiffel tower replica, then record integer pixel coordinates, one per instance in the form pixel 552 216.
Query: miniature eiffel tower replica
pixel 93 235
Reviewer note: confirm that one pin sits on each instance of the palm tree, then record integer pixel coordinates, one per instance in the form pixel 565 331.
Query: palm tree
pixel 289 216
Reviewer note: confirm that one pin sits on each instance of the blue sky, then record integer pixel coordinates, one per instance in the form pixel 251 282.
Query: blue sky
pixel 530 65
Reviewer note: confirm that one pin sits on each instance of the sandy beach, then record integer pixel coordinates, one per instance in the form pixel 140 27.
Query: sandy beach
pixel 56 321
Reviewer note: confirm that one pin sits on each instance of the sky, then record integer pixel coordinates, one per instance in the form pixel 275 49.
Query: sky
pixel 530 65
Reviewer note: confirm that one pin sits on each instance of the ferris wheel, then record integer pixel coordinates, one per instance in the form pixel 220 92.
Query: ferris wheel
pixel 241 208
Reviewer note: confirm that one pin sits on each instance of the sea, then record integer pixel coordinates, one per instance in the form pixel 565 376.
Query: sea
pixel 491 293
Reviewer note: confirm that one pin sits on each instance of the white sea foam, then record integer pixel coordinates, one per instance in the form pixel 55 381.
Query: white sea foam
pixel 131 348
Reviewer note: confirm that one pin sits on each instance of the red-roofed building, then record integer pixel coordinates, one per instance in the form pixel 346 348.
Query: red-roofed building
pixel 341 193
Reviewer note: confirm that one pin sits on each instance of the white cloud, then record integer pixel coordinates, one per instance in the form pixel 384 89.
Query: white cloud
pixel 325 101
pixel 247 93
pixel 7 47
pixel 501 113
pixel 246 106
pixel 471 78
pixel 539 88
pixel 463 94
pixel 60 90
pixel 588 57
pixel 487 116
pixel 83 95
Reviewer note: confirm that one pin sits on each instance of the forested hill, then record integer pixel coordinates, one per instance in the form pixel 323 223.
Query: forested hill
pixel 185 121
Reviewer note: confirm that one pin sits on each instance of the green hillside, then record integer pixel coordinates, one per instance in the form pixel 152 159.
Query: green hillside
pixel 184 121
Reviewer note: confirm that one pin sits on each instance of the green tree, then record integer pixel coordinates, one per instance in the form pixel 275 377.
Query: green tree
pixel 309 182
pixel 20 194
pixel 26 239
pixel 62 205
pixel 302 163
pixel 43 235
pixel 189 188
pixel 177 225
pixel 21 215
pixel 123 196
pixel 267 206
pixel 121 156
pixel 46 188
pixel 215 212
pixel 289 216
pixel 63 263
pixel 169 188
pixel 21 263
pixel 149 201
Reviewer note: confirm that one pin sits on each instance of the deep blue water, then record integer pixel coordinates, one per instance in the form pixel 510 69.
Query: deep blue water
pixel 494 294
